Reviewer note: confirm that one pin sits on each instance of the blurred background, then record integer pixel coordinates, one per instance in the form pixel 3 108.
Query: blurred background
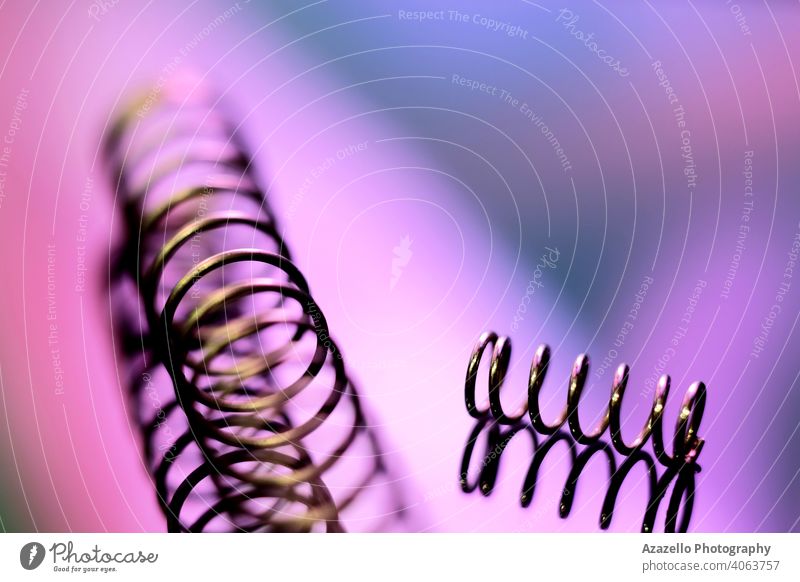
pixel 611 179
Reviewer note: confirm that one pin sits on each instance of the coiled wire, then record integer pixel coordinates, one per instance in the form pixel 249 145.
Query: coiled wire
pixel 686 444
pixel 497 437
pixel 251 422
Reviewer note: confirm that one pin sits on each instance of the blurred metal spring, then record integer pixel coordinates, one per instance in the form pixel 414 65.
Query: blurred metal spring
pixel 686 446
pixel 497 438
pixel 247 409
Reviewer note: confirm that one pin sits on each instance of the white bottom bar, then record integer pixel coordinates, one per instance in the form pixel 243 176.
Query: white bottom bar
pixel 231 557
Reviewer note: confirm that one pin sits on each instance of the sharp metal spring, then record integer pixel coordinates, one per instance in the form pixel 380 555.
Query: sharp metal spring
pixel 686 444
pixel 497 438
pixel 251 422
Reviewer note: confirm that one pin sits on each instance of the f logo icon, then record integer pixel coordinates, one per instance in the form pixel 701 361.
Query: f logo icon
pixel 31 555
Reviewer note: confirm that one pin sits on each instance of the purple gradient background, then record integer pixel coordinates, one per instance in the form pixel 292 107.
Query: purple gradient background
pixel 477 188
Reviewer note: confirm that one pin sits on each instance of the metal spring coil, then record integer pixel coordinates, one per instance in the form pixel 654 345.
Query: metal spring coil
pixel 497 438
pixel 209 304
pixel 686 446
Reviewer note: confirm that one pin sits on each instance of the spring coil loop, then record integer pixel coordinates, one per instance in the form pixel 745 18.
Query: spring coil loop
pixel 497 438
pixel 259 413
pixel 686 445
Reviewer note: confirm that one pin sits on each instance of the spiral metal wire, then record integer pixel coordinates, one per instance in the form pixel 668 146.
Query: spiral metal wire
pixel 497 438
pixel 250 420
pixel 500 428
pixel 686 444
